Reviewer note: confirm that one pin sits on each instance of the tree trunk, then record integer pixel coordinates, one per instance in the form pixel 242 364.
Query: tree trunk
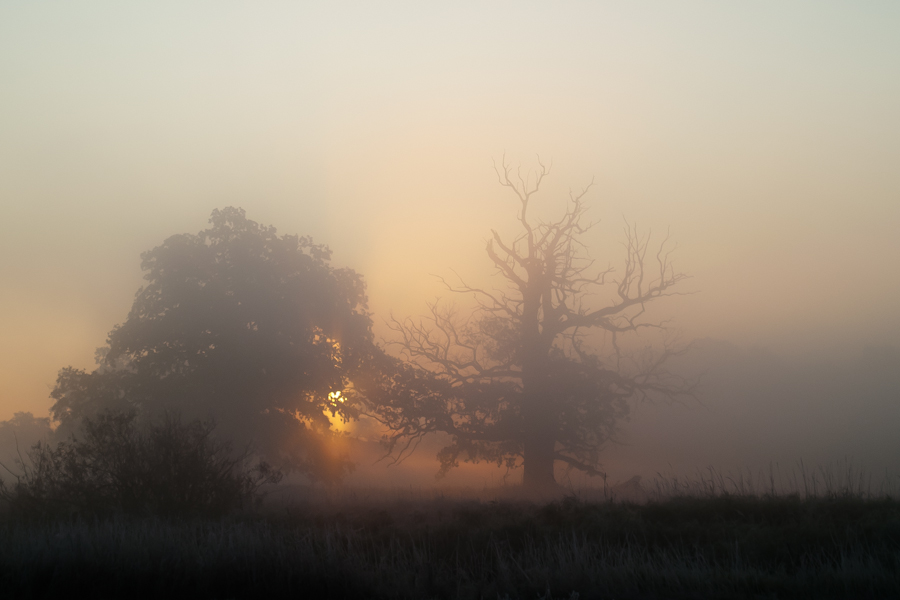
pixel 540 429
pixel 538 459
pixel 540 424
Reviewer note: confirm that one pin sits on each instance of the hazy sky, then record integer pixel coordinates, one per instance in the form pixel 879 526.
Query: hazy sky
pixel 765 135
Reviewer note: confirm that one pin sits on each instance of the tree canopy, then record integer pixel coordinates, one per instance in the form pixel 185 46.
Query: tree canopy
pixel 236 323
pixel 517 381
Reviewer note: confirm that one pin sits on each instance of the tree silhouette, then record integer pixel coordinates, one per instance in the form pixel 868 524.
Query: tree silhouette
pixel 516 381
pixel 238 324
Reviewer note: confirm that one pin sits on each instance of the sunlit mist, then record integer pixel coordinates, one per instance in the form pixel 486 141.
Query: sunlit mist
pixel 763 139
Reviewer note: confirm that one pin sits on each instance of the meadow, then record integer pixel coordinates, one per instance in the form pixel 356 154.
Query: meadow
pixel 822 535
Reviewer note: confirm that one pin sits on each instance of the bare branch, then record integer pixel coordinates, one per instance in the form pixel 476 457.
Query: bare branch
pixel 519 367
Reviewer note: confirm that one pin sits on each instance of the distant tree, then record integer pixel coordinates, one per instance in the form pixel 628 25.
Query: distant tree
pixel 516 381
pixel 256 330
pixel 165 468
pixel 18 434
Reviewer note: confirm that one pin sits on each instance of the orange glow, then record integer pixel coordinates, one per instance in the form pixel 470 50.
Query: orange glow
pixel 337 423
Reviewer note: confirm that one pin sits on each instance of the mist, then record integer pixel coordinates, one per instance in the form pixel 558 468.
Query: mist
pixel 763 140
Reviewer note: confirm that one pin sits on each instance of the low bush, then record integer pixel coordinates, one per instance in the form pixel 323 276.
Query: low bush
pixel 165 468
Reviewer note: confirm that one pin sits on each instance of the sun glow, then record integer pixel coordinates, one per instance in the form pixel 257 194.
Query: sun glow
pixel 335 399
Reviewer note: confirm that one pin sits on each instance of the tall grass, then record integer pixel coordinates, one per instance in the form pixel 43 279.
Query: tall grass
pixel 375 544
pixel 842 478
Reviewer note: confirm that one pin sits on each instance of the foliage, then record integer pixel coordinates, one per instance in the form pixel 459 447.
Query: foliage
pixel 167 468
pixel 517 381
pixel 238 323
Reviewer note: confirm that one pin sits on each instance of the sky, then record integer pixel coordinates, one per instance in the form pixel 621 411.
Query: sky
pixel 764 137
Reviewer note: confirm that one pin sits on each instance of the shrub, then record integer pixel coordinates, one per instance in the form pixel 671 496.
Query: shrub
pixel 166 468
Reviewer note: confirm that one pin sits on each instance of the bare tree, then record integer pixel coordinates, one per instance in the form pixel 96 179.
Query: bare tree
pixel 516 381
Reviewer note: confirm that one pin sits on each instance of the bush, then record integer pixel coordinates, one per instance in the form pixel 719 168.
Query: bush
pixel 166 468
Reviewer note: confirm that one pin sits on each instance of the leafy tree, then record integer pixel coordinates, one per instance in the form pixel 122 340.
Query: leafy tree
pixel 256 330
pixel 166 468
pixel 516 381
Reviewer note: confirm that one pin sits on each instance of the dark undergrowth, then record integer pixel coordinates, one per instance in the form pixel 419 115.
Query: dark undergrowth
pixel 727 546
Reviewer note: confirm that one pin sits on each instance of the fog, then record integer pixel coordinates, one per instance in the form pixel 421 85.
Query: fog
pixel 763 138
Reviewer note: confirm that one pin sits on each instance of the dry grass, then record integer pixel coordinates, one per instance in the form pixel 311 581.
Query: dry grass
pixel 447 544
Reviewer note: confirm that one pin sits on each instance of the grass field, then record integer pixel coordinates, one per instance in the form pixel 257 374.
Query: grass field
pixel 697 539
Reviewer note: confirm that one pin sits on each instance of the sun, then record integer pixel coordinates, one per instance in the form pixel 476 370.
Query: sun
pixel 335 399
